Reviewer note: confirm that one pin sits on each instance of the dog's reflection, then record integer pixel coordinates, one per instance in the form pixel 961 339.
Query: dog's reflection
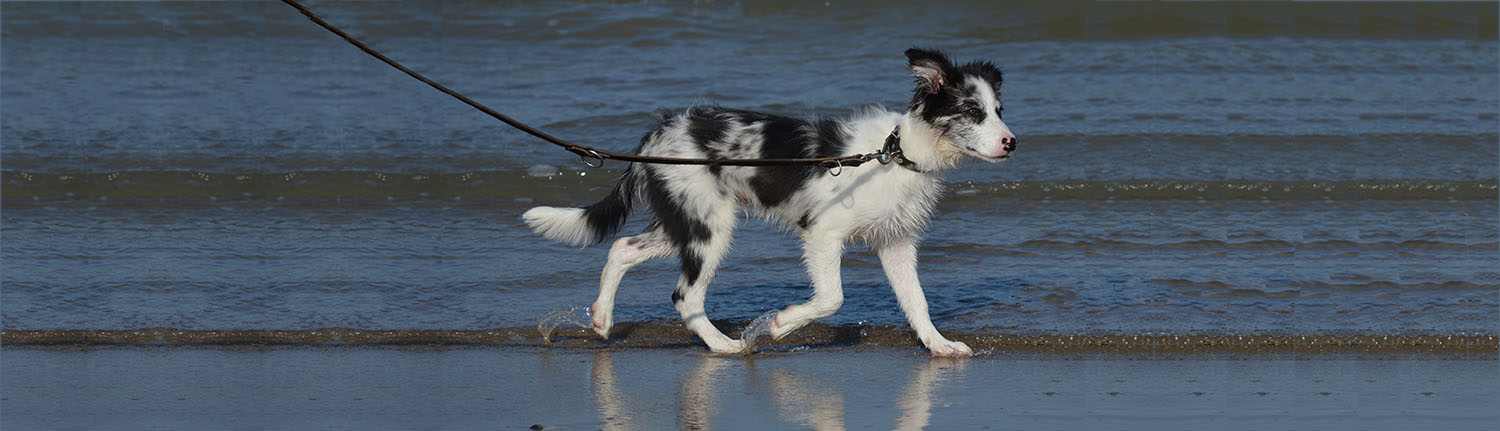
pixel 797 397
pixel 613 411
pixel 916 400
pixel 806 400
pixel 695 393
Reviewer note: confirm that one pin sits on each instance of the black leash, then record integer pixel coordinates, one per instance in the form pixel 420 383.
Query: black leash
pixel 594 157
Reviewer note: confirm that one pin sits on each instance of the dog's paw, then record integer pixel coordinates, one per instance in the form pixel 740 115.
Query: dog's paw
pixel 777 329
pixel 731 347
pixel 601 321
pixel 950 349
pixel 602 329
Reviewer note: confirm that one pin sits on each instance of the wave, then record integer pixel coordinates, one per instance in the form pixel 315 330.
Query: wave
pixel 1226 289
pixel 1150 189
pixel 1415 244
pixel 424 152
pixel 541 21
pixel 546 182
pixel 669 334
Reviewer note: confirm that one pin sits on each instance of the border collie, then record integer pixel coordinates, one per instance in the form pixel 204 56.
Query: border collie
pixel 954 112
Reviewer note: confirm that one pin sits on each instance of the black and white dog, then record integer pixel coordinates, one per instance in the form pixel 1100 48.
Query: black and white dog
pixel 954 112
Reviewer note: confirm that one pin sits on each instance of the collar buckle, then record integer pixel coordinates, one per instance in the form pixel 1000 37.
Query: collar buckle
pixel 892 152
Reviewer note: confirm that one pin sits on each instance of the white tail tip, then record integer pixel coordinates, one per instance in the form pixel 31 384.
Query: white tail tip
pixel 565 225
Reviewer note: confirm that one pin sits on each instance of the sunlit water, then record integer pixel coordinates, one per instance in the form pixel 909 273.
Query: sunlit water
pixel 234 167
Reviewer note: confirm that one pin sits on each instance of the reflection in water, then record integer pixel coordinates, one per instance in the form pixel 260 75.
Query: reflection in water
pixel 695 393
pixel 613 413
pixel 916 402
pixel 798 397
pixel 806 400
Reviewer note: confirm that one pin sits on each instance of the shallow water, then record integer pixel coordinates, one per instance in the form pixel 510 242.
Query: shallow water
pixel 676 389
pixel 230 166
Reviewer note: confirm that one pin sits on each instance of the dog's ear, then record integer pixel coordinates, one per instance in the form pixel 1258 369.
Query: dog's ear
pixel 931 68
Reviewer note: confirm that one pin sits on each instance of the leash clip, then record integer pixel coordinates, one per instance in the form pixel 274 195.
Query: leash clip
pixel 892 149
pixel 585 153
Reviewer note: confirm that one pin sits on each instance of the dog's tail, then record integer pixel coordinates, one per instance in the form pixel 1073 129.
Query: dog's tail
pixel 590 224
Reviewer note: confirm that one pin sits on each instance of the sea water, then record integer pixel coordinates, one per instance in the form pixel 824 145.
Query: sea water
pixel 232 166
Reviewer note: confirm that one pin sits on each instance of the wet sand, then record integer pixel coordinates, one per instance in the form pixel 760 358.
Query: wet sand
pixel 680 388
pixel 668 334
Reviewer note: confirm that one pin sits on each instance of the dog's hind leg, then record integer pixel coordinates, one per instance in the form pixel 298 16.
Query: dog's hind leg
pixel 899 258
pixel 700 259
pixel 625 254
pixel 822 252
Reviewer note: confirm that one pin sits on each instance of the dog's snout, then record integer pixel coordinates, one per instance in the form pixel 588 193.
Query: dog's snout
pixel 1009 142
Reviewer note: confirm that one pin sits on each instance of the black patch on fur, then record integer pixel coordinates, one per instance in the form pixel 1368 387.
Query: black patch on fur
pixel 682 229
pixel 788 138
pixel 666 120
pixel 606 216
pixel 708 127
pixel 984 70
pixel 676 296
pixel 933 106
pixel 692 265
pixel 830 140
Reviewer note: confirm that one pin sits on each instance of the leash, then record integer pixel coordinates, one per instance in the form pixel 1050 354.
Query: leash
pixel 594 157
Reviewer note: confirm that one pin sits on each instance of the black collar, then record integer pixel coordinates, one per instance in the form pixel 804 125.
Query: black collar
pixel 892 152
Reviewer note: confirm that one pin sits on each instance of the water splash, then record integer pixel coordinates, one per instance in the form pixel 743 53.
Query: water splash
pixel 577 315
pixel 758 327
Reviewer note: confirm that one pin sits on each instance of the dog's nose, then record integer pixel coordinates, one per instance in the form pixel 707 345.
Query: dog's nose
pixel 1009 142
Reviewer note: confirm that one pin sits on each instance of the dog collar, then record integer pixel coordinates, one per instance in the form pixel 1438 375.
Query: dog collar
pixel 892 152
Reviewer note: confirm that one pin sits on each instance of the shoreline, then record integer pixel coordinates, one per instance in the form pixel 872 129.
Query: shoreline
pixel 659 336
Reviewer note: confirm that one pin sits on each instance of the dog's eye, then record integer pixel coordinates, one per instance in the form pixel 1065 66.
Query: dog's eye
pixel 976 113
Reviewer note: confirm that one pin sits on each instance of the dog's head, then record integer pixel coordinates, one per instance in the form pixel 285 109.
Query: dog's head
pixel 961 104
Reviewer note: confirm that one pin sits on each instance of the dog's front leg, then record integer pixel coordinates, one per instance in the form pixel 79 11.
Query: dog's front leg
pixel 899 258
pixel 822 252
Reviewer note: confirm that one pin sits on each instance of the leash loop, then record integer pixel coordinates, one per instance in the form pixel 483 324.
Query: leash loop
pixel 586 153
pixel 592 153
pixel 837 169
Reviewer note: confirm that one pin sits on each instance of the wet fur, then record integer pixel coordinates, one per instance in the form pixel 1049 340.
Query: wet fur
pixel 954 114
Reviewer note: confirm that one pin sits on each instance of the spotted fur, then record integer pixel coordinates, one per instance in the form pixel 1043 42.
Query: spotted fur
pixel 954 112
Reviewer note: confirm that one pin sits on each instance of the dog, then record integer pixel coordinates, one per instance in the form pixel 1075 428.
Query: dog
pixel 954 115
